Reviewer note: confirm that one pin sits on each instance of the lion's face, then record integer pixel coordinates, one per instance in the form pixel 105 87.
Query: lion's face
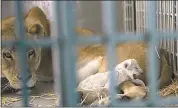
pixel 9 58
pixel 11 70
pixel 132 66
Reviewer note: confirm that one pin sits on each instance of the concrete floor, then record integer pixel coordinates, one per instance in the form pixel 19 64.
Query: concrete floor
pixel 40 89
pixel 36 101
pixel 45 101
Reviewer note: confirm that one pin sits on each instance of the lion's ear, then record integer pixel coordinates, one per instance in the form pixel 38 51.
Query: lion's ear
pixel 35 29
pixel 7 22
pixel 36 22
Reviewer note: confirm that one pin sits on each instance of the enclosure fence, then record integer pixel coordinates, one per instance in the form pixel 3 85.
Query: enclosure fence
pixel 166 21
pixel 64 38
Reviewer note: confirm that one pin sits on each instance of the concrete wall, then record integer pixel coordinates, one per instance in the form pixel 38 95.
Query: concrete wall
pixel 88 12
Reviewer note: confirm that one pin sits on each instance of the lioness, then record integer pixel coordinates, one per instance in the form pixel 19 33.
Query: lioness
pixel 39 60
pixel 35 23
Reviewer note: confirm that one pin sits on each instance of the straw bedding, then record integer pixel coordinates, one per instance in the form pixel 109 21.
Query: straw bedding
pixel 171 89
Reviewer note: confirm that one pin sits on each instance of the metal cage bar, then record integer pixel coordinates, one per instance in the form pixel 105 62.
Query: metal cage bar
pixel 21 49
pixel 109 27
pixel 65 52
pixel 56 51
pixel 177 40
pixel 153 63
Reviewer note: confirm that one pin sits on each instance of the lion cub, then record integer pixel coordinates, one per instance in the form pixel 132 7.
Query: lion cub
pixel 98 83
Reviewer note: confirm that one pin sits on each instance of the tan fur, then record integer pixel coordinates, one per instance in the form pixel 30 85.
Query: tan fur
pixel 133 91
pixel 7 22
pixel 167 72
pixel 125 51
pixel 36 22
pixel 10 67
pixel 36 19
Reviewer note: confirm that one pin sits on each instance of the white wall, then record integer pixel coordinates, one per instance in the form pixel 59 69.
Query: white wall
pixel 88 12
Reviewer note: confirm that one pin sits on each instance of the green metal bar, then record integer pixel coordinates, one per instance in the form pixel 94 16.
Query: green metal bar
pixel 109 28
pixel 56 54
pixel 21 51
pixel 152 42
pixel 68 27
pixel 67 53
pixel 98 39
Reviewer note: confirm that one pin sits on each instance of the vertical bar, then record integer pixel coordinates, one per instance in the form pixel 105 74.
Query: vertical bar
pixel 152 66
pixel 21 51
pixel 129 17
pixel 109 27
pixel 138 10
pixel 141 16
pixel 157 24
pixel 177 40
pixel 67 51
pixel 135 16
pixel 169 27
pixel 140 24
pixel 125 17
pixel 132 14
pixel 164 23
pixel 168 13
pixel 173 13
pixel 127 27
pixel 168 22
pixel 144 5
pixel 173 26
pixel 128 14
pixel 164 15
pixel 160 21
pixel 0 61
pixel 55 35
pixel 176 15
pixel 144 10
pixel 137 13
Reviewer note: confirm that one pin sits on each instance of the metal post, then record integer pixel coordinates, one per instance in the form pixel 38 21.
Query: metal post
pixel 67 39
pixel 21 50
pixel 108 21
pixel 152 42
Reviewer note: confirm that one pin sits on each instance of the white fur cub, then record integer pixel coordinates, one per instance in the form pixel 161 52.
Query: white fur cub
pixel 124 71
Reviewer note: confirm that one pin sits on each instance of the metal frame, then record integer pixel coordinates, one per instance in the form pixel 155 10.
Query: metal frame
pixel 64 54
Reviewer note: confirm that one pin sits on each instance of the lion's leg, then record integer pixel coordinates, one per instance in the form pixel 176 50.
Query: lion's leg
pixel 166 73
pixel 138 82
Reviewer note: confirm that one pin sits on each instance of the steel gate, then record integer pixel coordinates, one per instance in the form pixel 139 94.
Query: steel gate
pixel 60 38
